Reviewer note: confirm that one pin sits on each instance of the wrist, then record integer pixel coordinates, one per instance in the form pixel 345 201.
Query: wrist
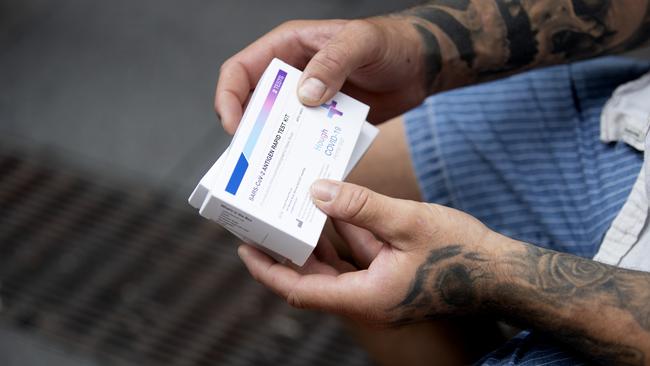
pixel 517 281
pixel 502 277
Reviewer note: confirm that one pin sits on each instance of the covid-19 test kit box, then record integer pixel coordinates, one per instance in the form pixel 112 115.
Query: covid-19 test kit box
pixel 259 188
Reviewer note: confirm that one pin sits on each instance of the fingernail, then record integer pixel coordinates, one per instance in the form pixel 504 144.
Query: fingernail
pixel 311 90
pixel 325 190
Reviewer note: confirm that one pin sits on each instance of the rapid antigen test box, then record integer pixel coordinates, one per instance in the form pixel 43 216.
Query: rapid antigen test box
pixel 259 188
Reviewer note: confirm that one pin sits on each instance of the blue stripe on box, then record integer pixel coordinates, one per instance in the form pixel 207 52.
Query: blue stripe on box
pixel 237 175
pixel 242 163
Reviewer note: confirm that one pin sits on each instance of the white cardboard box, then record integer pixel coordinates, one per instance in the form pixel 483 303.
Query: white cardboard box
pixel 259 188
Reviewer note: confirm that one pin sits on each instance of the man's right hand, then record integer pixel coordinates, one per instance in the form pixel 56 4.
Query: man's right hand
pixel 378 59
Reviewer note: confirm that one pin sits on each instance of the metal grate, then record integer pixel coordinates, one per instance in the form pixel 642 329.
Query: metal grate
pixel 128 278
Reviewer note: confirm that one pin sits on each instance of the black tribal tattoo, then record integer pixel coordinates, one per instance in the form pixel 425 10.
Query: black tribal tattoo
pixel 468 41
pixel 541 284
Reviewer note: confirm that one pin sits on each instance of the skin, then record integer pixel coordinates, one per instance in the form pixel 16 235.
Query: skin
pixel 475 40
pixel 414 262
pixel 456 341
pixel 428 262
pixel 336 52
pixel 393 62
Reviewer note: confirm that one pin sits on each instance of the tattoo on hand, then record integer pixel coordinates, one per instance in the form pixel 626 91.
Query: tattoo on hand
pixel 497 37
pixel 435 278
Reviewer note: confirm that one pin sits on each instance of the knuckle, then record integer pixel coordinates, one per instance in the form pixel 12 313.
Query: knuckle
pixel 367 33
pixel 295 301
pixel 225 65
pixel 433 210
pixel 261 275
pixel 289 24
pixel 291 28
pixel 362 27
pixel 332 58
pixel 255 275
pixel 433 219
pixel 355 201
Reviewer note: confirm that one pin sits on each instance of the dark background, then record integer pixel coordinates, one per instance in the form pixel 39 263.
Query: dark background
pixel 126 87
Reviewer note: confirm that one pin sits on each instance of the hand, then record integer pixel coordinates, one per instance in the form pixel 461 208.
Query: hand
pixel 379 57
pixel 415 260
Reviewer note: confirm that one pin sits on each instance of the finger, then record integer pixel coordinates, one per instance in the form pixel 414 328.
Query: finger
pixel 353 47
pixel 239 74
pixel 338 294
pixel 364 246
pixel 326 252
pixel 315 265
pixel 390 219
pixel 280 279
pixel 235 83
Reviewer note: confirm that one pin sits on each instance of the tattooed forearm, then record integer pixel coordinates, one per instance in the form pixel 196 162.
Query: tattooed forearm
pixel 551 285
pixel 599 310
pixel 558 275
pixel 479 40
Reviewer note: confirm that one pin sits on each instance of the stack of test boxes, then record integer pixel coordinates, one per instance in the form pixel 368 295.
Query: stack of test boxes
pixel 259 188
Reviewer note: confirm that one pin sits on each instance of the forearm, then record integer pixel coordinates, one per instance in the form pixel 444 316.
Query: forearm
pixel 468 41
pixel 599 310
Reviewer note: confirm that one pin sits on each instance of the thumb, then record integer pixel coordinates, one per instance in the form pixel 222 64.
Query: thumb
pixel 353 47
pixel 390 219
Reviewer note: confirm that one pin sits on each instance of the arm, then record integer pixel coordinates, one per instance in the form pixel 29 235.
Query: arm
pixel 422 261
pixel 599 310
pixel 393 62
pixel 468 41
